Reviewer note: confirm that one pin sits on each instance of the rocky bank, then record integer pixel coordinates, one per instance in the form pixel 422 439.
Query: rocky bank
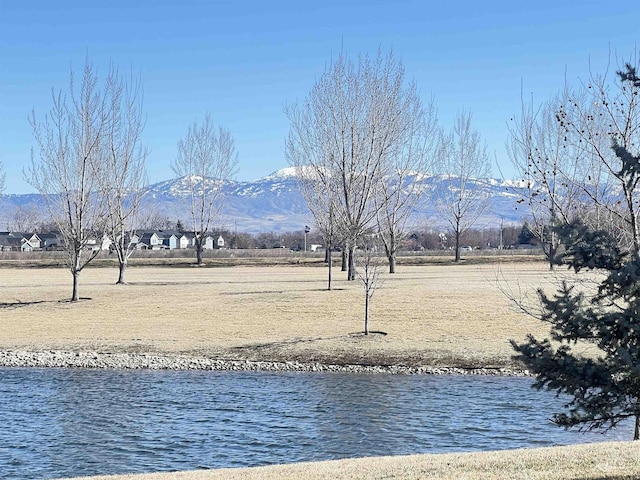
pixel 101 360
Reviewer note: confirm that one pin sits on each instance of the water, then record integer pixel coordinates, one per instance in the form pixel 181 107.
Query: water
pixel 65 422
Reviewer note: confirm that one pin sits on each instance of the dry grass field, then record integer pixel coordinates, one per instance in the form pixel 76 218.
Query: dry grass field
pixel 451 315
pixel 442 314
pixel 612 461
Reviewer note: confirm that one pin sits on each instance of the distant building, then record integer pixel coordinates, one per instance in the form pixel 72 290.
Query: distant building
pixel 19 242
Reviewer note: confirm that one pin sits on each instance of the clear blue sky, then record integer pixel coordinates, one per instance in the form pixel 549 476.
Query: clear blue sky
pixel 244 60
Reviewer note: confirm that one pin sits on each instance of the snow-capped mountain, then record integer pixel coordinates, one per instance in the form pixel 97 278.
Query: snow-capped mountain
pixel 274 203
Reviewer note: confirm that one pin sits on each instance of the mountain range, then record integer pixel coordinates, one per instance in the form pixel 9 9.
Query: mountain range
pixel 274 203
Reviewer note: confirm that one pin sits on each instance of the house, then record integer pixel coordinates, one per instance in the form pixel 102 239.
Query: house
pixel 19 242
pixel 160 240
pixel 207 244
pixel 95 243
pixel 9 243
pixel 134 238
pixel 50 241
pixel 31 242
pixel 32 238
pixel 150 241
pixel 181 239
pixel 140 239
pixel 169 240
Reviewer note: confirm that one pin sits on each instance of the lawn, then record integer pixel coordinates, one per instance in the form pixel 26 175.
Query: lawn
pixel 453 315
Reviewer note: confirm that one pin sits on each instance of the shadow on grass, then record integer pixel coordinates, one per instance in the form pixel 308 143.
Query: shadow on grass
pixel 81 299
pixel 257 292
pixel 261 347
pixel 18 304
pixel 371 333
pixel 269 345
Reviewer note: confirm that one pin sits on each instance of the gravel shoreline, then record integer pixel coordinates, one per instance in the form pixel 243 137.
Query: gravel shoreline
pixel 130 361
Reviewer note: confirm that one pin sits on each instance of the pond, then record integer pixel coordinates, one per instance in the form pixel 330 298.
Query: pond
pixel 72 422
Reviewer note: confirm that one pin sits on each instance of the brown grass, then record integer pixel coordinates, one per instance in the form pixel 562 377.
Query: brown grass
pixel 613 461
pixel 435 315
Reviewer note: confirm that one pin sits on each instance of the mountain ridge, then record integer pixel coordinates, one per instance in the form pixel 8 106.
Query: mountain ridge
pixel 274 203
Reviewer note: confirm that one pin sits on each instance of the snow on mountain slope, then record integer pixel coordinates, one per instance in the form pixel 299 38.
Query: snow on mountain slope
pixel 274 202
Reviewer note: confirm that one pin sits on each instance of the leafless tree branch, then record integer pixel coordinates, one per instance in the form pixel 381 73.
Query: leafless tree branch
pixel 122 173
pixel 70 150
pixel 206 160
pixel 463 160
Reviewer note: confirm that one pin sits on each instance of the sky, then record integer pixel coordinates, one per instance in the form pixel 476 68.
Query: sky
pixel 243 61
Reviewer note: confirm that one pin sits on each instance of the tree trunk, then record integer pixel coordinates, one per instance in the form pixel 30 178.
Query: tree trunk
pixel 634 222
pixel 390 249
pixel 327 255
pixel 636 431
pixel 552 254
pixel 351 274
pixel 199 251
pixel 552 249
pixel 330 264
pixel 344 259
pixel 457 256
pixel 122 266
pixel 366 311
pixel 75 296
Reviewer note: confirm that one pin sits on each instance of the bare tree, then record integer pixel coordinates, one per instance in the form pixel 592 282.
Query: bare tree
pixel 548 167
pixel 318 183
pixel 70 143
pixel 25 219
pixel 331 236
pixel 401 187
pixel 123 173
pixel 151 219
pixel 350 124
pixel 369 268
pixel 206 159
pixel 599 125
pixel 318 191
pixel 602 115
pixel 463 160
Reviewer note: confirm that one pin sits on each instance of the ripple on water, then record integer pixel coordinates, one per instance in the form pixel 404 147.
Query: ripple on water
pixel 64 422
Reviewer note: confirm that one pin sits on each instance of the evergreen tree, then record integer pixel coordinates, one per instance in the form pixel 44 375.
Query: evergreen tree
pixel 526 236
pixel 605 387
